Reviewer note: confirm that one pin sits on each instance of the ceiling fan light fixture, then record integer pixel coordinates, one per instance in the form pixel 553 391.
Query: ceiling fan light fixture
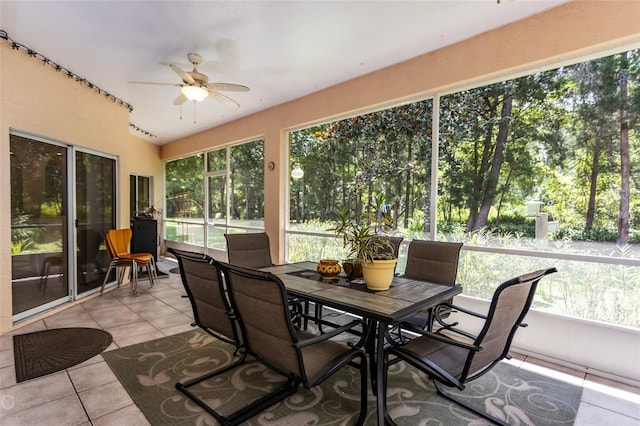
pixel 195 93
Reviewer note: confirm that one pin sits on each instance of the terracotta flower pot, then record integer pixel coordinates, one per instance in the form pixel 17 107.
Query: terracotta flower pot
pixel 353 270
pixel 328 269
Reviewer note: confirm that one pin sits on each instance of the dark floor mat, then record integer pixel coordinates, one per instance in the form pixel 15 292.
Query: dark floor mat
pixel 45 352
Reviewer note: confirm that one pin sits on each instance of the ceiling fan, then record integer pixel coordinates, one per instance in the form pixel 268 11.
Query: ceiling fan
pixel 195 86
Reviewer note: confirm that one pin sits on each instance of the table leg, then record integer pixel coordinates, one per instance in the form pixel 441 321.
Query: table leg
pixel 379 374
pixel 370 347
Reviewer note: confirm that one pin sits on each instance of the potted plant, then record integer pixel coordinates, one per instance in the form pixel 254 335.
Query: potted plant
pixel 365 243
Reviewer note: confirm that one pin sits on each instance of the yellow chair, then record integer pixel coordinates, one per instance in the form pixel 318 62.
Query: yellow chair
pixel 117 243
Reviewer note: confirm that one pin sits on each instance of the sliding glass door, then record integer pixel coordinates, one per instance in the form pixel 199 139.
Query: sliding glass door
pixel 95 183
pixel 57 229
pixel 39 224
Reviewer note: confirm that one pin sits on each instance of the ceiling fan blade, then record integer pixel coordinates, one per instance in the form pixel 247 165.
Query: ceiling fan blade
pixel 183 74
pixel 228 87
pixel 157 84
pixel 180 99
pixel 223 98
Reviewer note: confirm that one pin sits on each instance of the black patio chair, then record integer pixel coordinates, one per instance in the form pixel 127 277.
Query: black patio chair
pixel 260 300
pixel 433 261
pixel 209 299
pixel 454 357
pixel 253 250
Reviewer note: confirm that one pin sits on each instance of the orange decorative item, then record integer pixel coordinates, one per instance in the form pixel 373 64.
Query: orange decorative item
pixel 328 269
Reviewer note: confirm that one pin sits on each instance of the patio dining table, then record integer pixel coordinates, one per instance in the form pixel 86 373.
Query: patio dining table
pixel 381 309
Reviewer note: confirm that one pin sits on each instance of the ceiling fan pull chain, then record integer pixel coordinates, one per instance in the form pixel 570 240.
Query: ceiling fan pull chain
pixel 195 106
pixel 180 111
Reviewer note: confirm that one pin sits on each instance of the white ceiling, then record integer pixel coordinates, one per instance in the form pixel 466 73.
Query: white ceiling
pixel 282 50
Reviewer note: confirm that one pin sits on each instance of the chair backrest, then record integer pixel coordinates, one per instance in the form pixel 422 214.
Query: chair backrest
pixel 509 305
pixel 394 248
pixel 190 254
pixel 118 240
pixel 249 250
pixel 434 261
pixel 209 300
pixel 260 299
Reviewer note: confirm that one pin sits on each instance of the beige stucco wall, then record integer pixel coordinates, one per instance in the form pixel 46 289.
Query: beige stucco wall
pixel 34 98
pixel 562 35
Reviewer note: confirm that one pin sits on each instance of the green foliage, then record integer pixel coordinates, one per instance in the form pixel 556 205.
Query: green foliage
pixel 23 236
pixel 552 135
pixel 362 238
pixel 597 233
pixel 513 225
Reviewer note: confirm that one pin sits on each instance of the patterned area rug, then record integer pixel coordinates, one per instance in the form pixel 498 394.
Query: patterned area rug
pixel 150 370
pixel 45 352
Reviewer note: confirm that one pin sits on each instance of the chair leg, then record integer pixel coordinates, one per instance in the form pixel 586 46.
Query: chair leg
pixel 481 413
pixel 245 413
pixel 151 272
pixel 134 268
pixel 363 390
pixel 385 379
pixel 106 277
pixel 45 276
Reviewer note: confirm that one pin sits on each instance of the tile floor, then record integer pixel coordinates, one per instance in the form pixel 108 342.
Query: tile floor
pixel 90 394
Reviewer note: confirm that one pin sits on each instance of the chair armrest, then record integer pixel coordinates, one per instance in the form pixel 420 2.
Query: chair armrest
pixel 330 334
pixel 442 338
pixel 463 310
pixel 451 325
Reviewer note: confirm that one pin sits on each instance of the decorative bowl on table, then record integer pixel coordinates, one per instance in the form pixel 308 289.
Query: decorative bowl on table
pixel 328 269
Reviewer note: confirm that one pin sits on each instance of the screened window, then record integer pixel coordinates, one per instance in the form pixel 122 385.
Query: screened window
pixel 204 203
pixel 533 172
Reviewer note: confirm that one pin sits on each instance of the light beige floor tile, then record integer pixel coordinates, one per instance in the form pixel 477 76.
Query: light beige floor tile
pixel 148 306
pixel 91 376
pixel 6 358
pixel 35 392
pixel 127 330
pixel 166 292
pixel 105 399
pixel 590 415
pixel 61 412
pixel 168 321
pixel 119 318
pixel 613 384
pixel 68 318
pixel 182 304
pixel 29 328
pixel 7 376
pixel 138 338
pixel 107 311
pixel 157 310
pixel 94 360
pixel 6 342
pixel 129 299
pixel 130 416
pixel 177 329
pixel 612 399
pixel 72 322
pixel 105 300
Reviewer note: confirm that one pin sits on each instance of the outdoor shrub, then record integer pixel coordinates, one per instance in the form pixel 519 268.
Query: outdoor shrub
pixel 513 225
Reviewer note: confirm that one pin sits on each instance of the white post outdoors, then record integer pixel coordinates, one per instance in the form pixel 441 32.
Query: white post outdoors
pixel 542 220
pixel 435 136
